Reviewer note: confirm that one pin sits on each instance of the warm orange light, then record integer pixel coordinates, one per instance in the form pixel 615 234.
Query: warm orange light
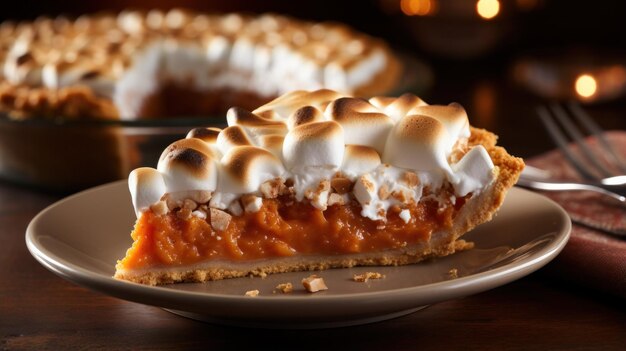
pixel 418 7
pixel 488 9
pixel 586 85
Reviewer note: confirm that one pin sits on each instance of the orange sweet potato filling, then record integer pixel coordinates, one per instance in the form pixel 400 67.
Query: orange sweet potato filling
pixel 279 230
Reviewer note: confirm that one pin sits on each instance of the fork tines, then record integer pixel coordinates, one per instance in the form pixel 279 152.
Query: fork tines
pixel 591 163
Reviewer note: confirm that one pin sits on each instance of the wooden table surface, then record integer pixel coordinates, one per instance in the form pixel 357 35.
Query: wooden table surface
pixel 39 310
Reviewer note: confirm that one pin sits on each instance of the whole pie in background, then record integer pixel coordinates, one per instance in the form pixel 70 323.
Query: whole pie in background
pixel 179 63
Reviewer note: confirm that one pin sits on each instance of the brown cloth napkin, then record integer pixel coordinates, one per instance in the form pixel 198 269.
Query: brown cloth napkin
pixel 593 257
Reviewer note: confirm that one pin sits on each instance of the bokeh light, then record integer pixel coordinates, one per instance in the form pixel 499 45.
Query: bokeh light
pixel 586 85
pixel 488 9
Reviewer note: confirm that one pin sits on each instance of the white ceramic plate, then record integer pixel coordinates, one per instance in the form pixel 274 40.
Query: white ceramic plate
pixel 81 237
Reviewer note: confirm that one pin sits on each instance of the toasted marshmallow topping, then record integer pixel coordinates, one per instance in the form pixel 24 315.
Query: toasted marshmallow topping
pixel 231 137
pixel 400 107
pixel 255 125
pixel 188 164
pixel 419 143
pixel 208 135
pixel 315 145
pixel 285 105
pixel 363 124
pixel 382 153
pixel 127 56
pixel 146 188
pixel 358 159
pixel 244 168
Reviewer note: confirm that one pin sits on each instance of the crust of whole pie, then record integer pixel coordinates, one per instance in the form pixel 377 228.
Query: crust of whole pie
pixel 477 210
pixel 73 102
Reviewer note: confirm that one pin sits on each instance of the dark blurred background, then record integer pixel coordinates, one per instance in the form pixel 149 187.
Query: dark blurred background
pixel 499 58
pixel 537 23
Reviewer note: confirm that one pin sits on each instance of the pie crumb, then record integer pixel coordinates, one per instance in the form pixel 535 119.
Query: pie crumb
pixel 314 283
pixel 285 288
pixel 453 273
pixel 362 278
pixel 252 293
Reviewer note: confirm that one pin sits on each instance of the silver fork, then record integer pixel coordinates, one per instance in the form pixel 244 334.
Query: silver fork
pixel 564 186
pixel 590 166
pixel 601 178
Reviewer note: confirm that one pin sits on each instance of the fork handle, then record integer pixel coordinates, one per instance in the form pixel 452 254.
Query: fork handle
pixel 558 186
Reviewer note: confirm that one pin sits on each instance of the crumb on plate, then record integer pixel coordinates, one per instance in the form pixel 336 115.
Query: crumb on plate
pixel 314 283
pixel 252 293
pixel 361 278
pixel 285 288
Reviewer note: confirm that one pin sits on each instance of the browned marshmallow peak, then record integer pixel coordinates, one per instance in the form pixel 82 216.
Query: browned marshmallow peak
pixel 128 56
pixel 208 134
pixel 325 148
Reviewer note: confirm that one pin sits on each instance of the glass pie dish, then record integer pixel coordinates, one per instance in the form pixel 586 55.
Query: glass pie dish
pixel 64 156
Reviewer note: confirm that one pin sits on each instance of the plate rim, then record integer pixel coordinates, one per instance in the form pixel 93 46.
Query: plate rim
pixel 471 284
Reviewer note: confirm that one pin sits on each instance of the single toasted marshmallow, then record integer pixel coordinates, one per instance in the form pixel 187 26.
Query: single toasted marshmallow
pixel 206 134
pixel 359 159
pixel 242 56
pixel 188 164
pixel 20 62
pixel 313 152
pixel 209 136
pixel 402 105
pixel 63 73
pixel 176 18
pixel 381 102
pixel 418 143
pixel 285 105
pixel 319 144
pixel 20 65
pixel 244 168
pixel 192 143
pixel 272 143
pixel 254 124
pixel 363 124
pixel 131 21
pixel 304 115
pixel 474 171
pixel 218 49
pixel 230 137
pixel 146 187
pixel 453 117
